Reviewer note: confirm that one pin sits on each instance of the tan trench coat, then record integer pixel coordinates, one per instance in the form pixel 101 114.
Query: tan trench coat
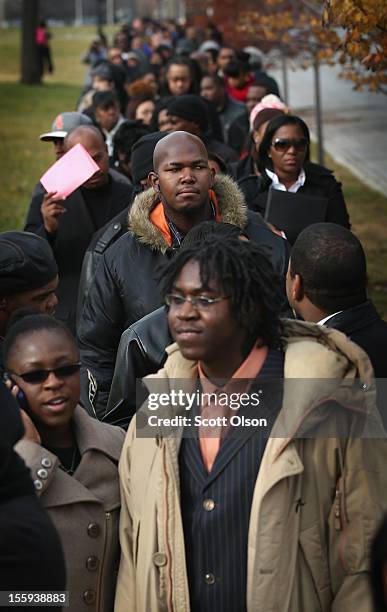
pixel 316 502
pixel 84 508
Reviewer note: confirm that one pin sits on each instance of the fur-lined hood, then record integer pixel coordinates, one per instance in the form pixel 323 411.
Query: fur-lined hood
pixel 231 202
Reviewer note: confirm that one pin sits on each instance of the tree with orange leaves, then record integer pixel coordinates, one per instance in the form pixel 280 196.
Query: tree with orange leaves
pixel 363 49
pixel 294 26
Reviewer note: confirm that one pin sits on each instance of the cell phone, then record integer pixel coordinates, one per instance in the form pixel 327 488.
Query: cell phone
pixel 20 397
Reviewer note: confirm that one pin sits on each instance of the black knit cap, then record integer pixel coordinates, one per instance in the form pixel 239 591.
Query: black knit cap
pixel 142 155
pixel 26 262
pixel 190 107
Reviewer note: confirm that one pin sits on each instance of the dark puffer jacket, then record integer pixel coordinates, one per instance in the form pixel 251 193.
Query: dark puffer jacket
pixel 126 285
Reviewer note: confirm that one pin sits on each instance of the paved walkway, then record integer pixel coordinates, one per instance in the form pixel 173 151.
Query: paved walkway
pixel 355 123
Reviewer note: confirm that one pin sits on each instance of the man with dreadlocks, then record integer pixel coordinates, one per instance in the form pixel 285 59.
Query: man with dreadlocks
pixel 249 518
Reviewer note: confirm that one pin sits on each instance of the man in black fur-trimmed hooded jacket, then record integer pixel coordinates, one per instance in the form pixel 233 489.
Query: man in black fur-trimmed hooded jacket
pixel 184 192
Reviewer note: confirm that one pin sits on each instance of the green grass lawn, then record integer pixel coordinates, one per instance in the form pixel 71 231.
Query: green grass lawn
pixel 26 112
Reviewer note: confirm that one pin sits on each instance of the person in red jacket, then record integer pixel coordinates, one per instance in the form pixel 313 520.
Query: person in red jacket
pixel 239 79
pixel 42 40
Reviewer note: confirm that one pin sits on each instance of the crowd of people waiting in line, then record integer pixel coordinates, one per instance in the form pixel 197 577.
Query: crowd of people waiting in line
pixel 207 251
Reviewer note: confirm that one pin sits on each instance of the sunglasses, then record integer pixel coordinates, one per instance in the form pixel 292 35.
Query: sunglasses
pixel 284 144
pixel 38 376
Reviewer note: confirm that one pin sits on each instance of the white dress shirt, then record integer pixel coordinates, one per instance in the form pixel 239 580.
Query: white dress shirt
pixel 276 184
pixel 323 321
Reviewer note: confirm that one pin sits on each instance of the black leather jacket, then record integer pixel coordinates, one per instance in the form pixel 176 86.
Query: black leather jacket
pixel 126 283
pixel 101 241
pixel 141 352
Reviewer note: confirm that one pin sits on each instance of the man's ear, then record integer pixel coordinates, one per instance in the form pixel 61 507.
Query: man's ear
pixel 297 291
pixel 153 179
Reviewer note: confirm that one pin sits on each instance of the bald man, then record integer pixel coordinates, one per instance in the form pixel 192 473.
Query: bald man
pixel 125 288
pixel 68 225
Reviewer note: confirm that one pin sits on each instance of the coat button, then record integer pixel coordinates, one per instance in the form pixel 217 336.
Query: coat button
pixel 92 563
pixel 208 505
pixel 116 226
pixel 38 485
pixel 159 559
pixel 42 473
pixel 46 462
pixel 89 597
pixel 209 578
pixel 93 530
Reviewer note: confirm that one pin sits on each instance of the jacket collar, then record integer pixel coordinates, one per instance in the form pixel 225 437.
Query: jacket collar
pixel 232 209
pixel 322 356
pixel 94 435
pixel 353 319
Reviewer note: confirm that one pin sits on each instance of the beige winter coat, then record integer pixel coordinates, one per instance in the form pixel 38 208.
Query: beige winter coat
pixel 84 508
pixel 316 502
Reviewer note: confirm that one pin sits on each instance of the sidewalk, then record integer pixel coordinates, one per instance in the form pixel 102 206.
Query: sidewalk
pixel 354 123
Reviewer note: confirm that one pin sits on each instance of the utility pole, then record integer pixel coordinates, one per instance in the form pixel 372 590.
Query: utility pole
pixel 78 12
pixel 317 91
pixel 110 12
pixel 99 13
pixel 285 81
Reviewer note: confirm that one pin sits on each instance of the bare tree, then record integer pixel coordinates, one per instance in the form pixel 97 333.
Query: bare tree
pixel 30 68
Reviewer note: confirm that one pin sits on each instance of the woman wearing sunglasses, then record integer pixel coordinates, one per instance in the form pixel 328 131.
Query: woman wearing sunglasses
pixel 284 165
pixel 269 107
pixel 72 457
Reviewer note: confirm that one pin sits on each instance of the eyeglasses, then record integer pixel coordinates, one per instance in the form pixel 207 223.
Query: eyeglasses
pixel 283 144
pixel 201 302
pixel 38 376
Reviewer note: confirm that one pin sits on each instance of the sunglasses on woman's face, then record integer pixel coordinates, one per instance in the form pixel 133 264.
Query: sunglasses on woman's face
pixel 284 144
pixel 38 376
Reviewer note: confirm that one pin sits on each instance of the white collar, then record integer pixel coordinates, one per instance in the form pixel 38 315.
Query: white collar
pixel 323 321
pixel 275 184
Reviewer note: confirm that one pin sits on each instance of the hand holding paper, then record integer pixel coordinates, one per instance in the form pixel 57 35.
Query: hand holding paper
pixel 51 210
pixel 69 172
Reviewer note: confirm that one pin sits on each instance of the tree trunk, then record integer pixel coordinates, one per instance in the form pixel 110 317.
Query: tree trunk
pixel 30 67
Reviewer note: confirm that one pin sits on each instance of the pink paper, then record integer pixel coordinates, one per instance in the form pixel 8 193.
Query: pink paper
pixel 70 171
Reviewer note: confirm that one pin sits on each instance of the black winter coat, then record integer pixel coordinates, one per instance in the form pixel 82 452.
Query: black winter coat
pixel 76 229
pixel 31 556
pixel 126 285
pixel 141 352
pixel 102 240
pixel 363 325
pixel 319 182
